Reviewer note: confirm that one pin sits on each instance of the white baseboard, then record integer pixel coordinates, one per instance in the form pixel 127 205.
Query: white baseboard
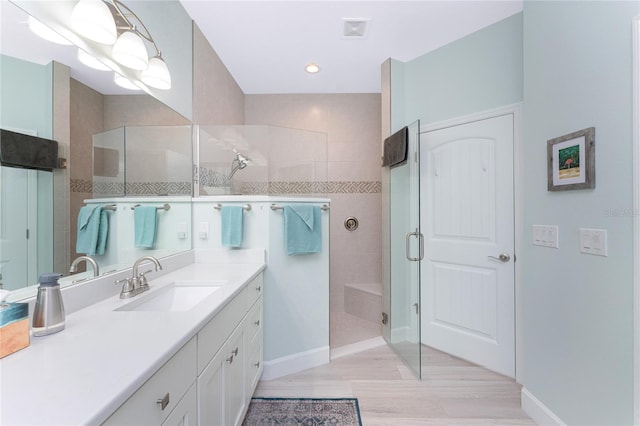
pixel 354 348
pixel 294 363
pixel 539 413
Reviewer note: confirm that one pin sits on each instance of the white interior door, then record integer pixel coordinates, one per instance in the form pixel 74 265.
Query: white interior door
pixel 468 222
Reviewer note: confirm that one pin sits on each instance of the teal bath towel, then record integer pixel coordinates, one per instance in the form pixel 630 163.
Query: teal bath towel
pixel 145 222
pixel 232 226
pixel 302 229
pixel 93 229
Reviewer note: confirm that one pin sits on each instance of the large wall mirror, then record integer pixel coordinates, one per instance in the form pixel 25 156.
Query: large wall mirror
pixel 94 106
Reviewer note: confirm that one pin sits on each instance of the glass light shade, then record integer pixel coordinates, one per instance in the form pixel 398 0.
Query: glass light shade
pixel 91 61
pixel 157 74
pixel 130 51
pixel 92 19
pixel 41 30
pixel 124 82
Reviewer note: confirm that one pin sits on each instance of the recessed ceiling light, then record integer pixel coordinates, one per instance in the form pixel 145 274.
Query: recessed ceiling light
pixel 312 68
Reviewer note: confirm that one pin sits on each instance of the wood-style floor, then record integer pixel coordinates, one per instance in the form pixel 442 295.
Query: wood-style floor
pixel 452 392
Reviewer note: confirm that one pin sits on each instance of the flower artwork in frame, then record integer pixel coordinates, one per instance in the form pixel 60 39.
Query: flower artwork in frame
pixel 571 161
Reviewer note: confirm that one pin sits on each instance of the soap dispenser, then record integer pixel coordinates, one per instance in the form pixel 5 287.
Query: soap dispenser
pixel 48 314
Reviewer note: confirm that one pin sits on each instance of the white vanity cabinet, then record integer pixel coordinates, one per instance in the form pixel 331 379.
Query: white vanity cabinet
pixel 227 348
pixel 211 379
pixel 163 394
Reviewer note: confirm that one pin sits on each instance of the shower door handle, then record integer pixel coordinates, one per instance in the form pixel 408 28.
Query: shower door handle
pixel 408 246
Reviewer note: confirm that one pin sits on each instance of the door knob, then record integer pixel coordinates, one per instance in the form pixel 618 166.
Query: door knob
pixel 503 257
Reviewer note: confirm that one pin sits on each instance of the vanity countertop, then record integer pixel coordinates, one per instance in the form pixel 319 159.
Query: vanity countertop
pixel 84 373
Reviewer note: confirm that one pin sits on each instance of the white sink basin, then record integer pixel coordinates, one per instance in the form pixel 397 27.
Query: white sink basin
pixel 178 296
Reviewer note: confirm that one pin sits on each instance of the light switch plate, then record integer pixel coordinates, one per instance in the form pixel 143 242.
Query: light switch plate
pixel 203 231
pixel 182 230
pixel 546 236
pixel 593 241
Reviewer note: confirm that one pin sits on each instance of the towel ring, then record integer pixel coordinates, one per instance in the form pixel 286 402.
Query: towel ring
pixel 246 207
pixel 275 207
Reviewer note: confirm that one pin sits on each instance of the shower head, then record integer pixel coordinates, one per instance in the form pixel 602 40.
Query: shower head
pixel 238 163
pixel 242 161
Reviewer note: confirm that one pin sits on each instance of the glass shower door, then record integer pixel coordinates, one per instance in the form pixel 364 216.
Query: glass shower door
pixel 407 249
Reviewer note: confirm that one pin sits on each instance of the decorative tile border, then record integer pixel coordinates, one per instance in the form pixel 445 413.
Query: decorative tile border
pixel 133 188
pixel 214 179
pixel 332 187
pixel 80 185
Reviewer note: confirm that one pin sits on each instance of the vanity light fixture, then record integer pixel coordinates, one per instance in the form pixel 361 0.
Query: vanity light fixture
pixel 130 51
pixel 312 68
pixel 46 33
pixel 157 74
pixel 91 61
pixel 128 38
pixel 124 82
pixel 93 19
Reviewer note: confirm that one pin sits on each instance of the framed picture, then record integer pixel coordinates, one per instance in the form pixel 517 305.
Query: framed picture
pixel 571 161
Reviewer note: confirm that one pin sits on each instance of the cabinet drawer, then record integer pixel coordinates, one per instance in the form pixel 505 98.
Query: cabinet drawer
pixel 171 381
pixel 186 412
pixel 254 320
pixel 255 289
pixel 212 336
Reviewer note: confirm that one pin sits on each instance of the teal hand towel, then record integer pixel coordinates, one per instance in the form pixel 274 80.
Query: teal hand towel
pixel 302 229
pixel 145 222
pixel 92 230
pixel 103 232
pixel 232 226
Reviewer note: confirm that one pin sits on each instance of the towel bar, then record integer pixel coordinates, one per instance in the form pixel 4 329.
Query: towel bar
pixel 110 207
pixel 274 207
pixel 164 207
pixel 246 207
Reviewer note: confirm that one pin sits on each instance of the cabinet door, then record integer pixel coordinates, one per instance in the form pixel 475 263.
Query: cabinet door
pixel 185 413
pixel 234 378
pixel 211 392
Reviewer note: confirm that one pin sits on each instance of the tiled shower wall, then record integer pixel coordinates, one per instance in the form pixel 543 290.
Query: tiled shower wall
pixel 352 125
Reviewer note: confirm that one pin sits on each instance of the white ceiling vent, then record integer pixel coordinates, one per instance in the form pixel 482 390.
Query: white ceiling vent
pixel 355 27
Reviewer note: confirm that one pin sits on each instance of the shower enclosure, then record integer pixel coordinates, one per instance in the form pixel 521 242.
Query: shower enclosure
pixel 407 249
pixel 259 160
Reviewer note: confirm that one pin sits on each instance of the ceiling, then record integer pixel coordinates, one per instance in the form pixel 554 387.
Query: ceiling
pixel 266 44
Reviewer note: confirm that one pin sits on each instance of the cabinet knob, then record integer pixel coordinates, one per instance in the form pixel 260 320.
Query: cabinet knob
pixel 230 359
pixel 258 288
pixel 257 322
pixel 235 351
pixel 164 401
pixel 256 364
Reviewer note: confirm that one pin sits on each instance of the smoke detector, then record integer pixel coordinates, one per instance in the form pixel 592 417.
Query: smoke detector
pixel 355 27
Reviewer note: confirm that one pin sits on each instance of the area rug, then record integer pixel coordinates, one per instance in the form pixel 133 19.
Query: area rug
pixel 303 412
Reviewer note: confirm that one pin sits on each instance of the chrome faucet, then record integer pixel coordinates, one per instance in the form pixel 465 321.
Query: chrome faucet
pixel 138 281
pixel 87 259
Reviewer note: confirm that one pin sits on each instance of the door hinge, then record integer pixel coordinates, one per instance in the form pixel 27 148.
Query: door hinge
pixel 385 318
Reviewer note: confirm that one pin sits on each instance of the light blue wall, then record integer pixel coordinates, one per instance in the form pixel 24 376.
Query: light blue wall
pixel 26 96
pixel 571 64
pixel 578 308
pixel 478 72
